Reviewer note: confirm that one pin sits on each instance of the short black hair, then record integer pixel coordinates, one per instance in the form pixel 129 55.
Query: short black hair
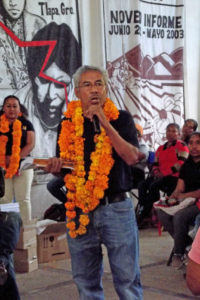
pixel 5 99
pixel 175 125
pixel 195 133
pixel 11 96
pixel 66 54
pixel 24 111
pixel 194 122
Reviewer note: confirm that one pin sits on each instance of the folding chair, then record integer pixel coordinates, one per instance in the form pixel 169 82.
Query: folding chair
pixel 170 257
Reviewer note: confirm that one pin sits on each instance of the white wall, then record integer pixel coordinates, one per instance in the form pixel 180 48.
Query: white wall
pixel 192 59
pixel 91 32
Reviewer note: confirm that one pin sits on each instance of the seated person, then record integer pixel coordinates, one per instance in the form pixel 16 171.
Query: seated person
pixel 188 186
pixel 57 212
pixel 193 267
pixel 164 174
pixel 138 170
pixel 189 126
pixel 10 224
pixel 55 186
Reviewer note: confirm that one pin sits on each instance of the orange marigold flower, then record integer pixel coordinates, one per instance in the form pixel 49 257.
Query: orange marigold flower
pixel 71 214
pixel 69 205
pixel 15 156
pixel 71 225
pixel 73 234
pixel 81 230
pixel 83 193
pixel 4 139
pixel 84 220
pixel 98 193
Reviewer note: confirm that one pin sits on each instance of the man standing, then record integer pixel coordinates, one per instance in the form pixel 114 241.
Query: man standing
pixel 99 207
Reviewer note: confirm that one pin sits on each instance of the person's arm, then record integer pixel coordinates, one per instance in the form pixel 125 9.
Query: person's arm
pixel 193 266
pixel 180 187
pixel 128 152
pixel 193 194
pixel 155 171
pixel 30 143
pixel 193 277
pixel 182 153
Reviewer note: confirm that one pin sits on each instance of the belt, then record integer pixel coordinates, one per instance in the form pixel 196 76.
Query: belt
pixel 115 198
pixel 3 216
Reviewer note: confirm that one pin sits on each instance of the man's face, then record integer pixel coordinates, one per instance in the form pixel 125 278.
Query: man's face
pixel 51 96
pixel 188 128
pixel 92 89
pixel 14 8
pixel 172 133
pixel 194 146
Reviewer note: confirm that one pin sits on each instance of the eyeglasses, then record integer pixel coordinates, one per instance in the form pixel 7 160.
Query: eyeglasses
pixel 89 85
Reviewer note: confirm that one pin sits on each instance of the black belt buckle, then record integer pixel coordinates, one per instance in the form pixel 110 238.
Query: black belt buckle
pixel 115 198
pixel 105 200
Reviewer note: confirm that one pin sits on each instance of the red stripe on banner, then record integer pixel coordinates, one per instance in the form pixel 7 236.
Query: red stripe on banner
pixel 51 45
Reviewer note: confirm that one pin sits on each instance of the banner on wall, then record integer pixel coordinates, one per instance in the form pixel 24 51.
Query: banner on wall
pixel 40 49
pixel 144 56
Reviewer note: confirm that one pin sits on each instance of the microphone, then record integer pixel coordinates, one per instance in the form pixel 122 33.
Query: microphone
pixel 96 124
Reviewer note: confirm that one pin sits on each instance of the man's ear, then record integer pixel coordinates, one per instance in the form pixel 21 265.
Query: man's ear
pixel 77 92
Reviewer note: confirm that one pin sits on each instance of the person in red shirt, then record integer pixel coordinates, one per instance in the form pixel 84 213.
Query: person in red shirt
pixel 188 187
pixel 165 170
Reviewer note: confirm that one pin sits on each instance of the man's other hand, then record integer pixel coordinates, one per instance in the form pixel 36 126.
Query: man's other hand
pixel 54 165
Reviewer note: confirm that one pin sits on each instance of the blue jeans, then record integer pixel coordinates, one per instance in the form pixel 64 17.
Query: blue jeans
pixel 113 225
pixel 178 226
pixel 10 224
pixel 54 186
pixel 197 220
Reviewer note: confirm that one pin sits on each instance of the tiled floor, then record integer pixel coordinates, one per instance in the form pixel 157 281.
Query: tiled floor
pixel 53 280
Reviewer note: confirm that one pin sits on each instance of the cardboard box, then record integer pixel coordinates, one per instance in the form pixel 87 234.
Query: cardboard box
pixel 52 243
pixel 26 254
pixel 26 266
pixel 27 236
pixel 25 260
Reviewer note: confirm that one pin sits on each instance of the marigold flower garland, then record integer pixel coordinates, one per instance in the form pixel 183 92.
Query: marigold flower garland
pixel 15 156
pixel 82 193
